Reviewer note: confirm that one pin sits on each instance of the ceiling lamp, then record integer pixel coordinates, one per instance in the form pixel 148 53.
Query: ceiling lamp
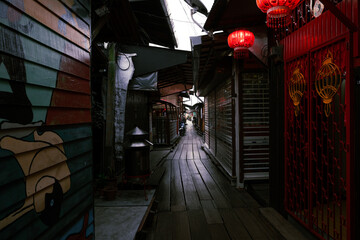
pixel 277 11
pixel 240 41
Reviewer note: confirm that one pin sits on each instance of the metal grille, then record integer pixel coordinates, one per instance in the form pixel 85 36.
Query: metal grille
pixel 159 130
pixel 316 152
pixel 297 146
pixel 224 126
pixel 173 126
pixel 255 125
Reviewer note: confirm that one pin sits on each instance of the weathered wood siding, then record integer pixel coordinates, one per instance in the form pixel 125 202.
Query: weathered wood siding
pixel 45 120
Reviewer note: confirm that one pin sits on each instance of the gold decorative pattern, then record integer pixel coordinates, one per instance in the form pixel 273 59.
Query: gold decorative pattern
pixel 297 86
pixel 327 81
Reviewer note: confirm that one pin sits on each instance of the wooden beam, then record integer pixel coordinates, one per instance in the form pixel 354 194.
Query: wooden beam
pixel 98 26
pixel 109 137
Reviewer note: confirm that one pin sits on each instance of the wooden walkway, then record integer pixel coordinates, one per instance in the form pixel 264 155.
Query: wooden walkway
pixel 196 201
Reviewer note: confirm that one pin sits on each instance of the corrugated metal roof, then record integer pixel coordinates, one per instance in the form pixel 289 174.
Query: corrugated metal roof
pixel 230 14
pixel 176 79
pixel 132 22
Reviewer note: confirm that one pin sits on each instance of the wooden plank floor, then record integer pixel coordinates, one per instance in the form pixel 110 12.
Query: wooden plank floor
pixel 196 201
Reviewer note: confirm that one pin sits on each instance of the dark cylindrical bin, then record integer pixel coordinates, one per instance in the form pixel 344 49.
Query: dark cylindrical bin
pixel 137 153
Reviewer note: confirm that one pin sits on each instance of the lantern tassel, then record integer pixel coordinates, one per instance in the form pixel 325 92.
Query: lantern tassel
pixel 327 109
pixel 297 110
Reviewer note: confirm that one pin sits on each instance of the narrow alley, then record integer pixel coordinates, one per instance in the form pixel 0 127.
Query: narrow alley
pixel 195 201
pixel 95 94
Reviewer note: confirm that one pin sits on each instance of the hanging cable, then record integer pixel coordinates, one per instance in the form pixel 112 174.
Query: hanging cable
pixel 193 11
pixel 127 58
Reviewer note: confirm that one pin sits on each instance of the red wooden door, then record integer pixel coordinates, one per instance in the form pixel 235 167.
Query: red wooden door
pixel 317 142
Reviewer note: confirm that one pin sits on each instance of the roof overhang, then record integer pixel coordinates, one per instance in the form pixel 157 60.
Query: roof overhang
pixel 174 67
pixel 213 60
pixel 152 59
pixel 132 22
pixel 153 18
pixel 212 57
pixel 174 80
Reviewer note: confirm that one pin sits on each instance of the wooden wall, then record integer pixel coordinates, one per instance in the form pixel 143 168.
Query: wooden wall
pixel 45 120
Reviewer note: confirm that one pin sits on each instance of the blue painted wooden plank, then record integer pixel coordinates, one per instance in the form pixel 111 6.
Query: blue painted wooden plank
pixel 77 163
pixel 79 182
pixel 74 147
pixel 78 210
pixel 79 136
pixel 86 4
pixel 85 225
pixel 42 77
pixel 80 186
pixel 65 12
pixel 10 172
pixel 31 50
pixel 79 9
pixel 40 96
pixel 45 48
pixel 34 30
pixel 73 133
pixel 12 197
pixel 53 22
pixel 33 228
pixel 18 227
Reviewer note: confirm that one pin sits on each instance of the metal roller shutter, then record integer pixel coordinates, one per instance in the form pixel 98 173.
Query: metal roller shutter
pixel 255 125
pixel 206 120
pixel 224 126
pixel 212 123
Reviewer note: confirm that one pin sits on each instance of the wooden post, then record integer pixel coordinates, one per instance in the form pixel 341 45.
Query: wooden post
pixel 276 113
pixel 109 127
pixel 357 150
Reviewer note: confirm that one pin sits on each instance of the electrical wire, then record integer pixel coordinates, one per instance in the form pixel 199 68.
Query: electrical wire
pixel 127 58
pixel 187 16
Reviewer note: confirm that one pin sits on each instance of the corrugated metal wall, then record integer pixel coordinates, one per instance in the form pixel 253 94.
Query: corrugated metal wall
pixel 45 121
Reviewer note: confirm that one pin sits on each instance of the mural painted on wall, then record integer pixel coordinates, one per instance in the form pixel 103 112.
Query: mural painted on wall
pixel 16 71
pixel 47 176
pixel 44 81
pixel 83 229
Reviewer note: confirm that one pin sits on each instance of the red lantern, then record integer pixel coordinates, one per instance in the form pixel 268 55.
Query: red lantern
pixel 241 40
pixel 277 11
